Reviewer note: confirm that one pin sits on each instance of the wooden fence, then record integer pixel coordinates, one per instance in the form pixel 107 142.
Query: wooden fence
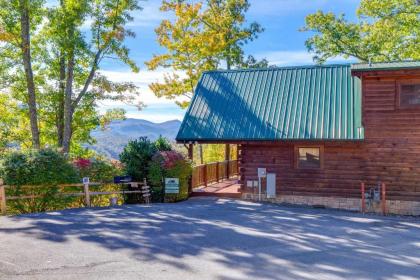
pixel 144 189
pixel 213 172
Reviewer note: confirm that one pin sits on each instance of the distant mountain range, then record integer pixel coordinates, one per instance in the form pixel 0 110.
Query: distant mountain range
pixel 111 141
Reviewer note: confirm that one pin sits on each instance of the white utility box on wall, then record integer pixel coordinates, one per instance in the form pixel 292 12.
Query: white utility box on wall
pixel 271 185
pixel 262 172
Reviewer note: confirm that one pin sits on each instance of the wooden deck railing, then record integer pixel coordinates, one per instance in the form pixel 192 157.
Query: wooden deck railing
pixel 213 172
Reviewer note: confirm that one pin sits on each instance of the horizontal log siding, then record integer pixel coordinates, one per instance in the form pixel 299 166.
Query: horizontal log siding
pixel 390 153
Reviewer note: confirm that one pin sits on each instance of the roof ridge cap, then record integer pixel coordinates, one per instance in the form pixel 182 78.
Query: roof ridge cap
pixel 346 65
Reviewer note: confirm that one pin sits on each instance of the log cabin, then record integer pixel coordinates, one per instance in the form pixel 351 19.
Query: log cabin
pixel 323 131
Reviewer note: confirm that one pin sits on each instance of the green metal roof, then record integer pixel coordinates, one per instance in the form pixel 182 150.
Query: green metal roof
pixel 292 103
pixel 386 66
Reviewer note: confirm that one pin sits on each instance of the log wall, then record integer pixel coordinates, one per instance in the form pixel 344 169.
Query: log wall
pixel 390 152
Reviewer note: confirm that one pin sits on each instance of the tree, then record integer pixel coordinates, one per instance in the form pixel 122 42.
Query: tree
pixel 18 18
pixel 108 34
pixel 204 35
pixel 162 144
pixel 252 62
pixel 224 20
pixel 136 157
pixel 386 30
pixel 60 62
pixel 27 65
pixel 12 124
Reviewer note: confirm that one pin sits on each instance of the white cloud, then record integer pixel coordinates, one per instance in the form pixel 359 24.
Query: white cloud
pixel 277 7
pixel 156 112
pixel 157 109
pixel 142 80
pixel 283 7
pixel 150 15
pixel 155 117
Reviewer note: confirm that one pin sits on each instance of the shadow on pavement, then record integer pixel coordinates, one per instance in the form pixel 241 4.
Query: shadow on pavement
pixel 263 241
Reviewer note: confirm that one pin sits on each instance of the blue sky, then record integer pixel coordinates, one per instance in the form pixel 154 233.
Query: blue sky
pixel 281 44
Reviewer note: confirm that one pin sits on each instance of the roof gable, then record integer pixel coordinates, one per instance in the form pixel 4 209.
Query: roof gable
pixel 292 103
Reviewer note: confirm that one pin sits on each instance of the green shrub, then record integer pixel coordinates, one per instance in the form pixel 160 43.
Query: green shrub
pixel 97 169
pixel 162 144
pixel 155 180
pixel 169 164
pixel 136 157
pixel 43 170
pixel 43 167
pixel 182 170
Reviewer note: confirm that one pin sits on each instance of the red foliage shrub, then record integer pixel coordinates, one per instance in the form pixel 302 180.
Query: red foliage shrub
pixel 82 163
pixel 168 159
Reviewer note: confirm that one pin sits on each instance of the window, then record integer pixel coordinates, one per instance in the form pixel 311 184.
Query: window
pixel 308 157
pixel 410 95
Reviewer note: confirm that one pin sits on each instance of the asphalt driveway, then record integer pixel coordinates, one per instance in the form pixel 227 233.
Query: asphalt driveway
pixel 206 238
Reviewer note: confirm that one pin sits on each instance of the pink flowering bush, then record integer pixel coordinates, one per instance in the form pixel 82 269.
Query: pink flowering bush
pixel 168 159
pixel 82 163
pixel 97 169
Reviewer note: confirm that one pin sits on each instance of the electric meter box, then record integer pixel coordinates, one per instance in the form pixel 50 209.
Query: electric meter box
pixel 271 185
pixel 262 172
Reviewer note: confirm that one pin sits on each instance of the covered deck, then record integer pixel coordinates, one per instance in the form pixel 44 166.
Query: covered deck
pixel 216 179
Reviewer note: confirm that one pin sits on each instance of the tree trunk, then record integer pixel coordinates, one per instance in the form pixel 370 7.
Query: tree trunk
pixel 228 63
pixel 27 64
pixel 68 106
pixel 61 94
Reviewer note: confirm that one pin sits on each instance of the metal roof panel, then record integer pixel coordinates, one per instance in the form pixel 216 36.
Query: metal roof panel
pixel 291 103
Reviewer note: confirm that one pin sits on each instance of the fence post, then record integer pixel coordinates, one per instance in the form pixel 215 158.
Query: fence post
pixel 87 194
pixel 145 191
pixel 2 198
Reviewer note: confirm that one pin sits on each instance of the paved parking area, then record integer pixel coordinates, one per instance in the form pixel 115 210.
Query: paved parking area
pixel 208 238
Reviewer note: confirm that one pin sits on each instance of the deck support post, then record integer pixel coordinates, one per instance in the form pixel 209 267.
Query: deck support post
pixel 191 152
pixel 191 158
pixel 227 158
pixel 200 149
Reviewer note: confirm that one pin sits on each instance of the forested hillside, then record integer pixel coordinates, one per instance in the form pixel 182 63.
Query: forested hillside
pixel 112 139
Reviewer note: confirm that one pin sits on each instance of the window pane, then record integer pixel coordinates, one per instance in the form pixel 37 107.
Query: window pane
pixel 410 95
pixel 309 158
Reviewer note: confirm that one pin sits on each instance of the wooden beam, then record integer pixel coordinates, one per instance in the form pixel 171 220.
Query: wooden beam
pixel 200 151
pixel 191 157
pixel 275 142
pixel 191 152
pixel 227 152
pixel 227 158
